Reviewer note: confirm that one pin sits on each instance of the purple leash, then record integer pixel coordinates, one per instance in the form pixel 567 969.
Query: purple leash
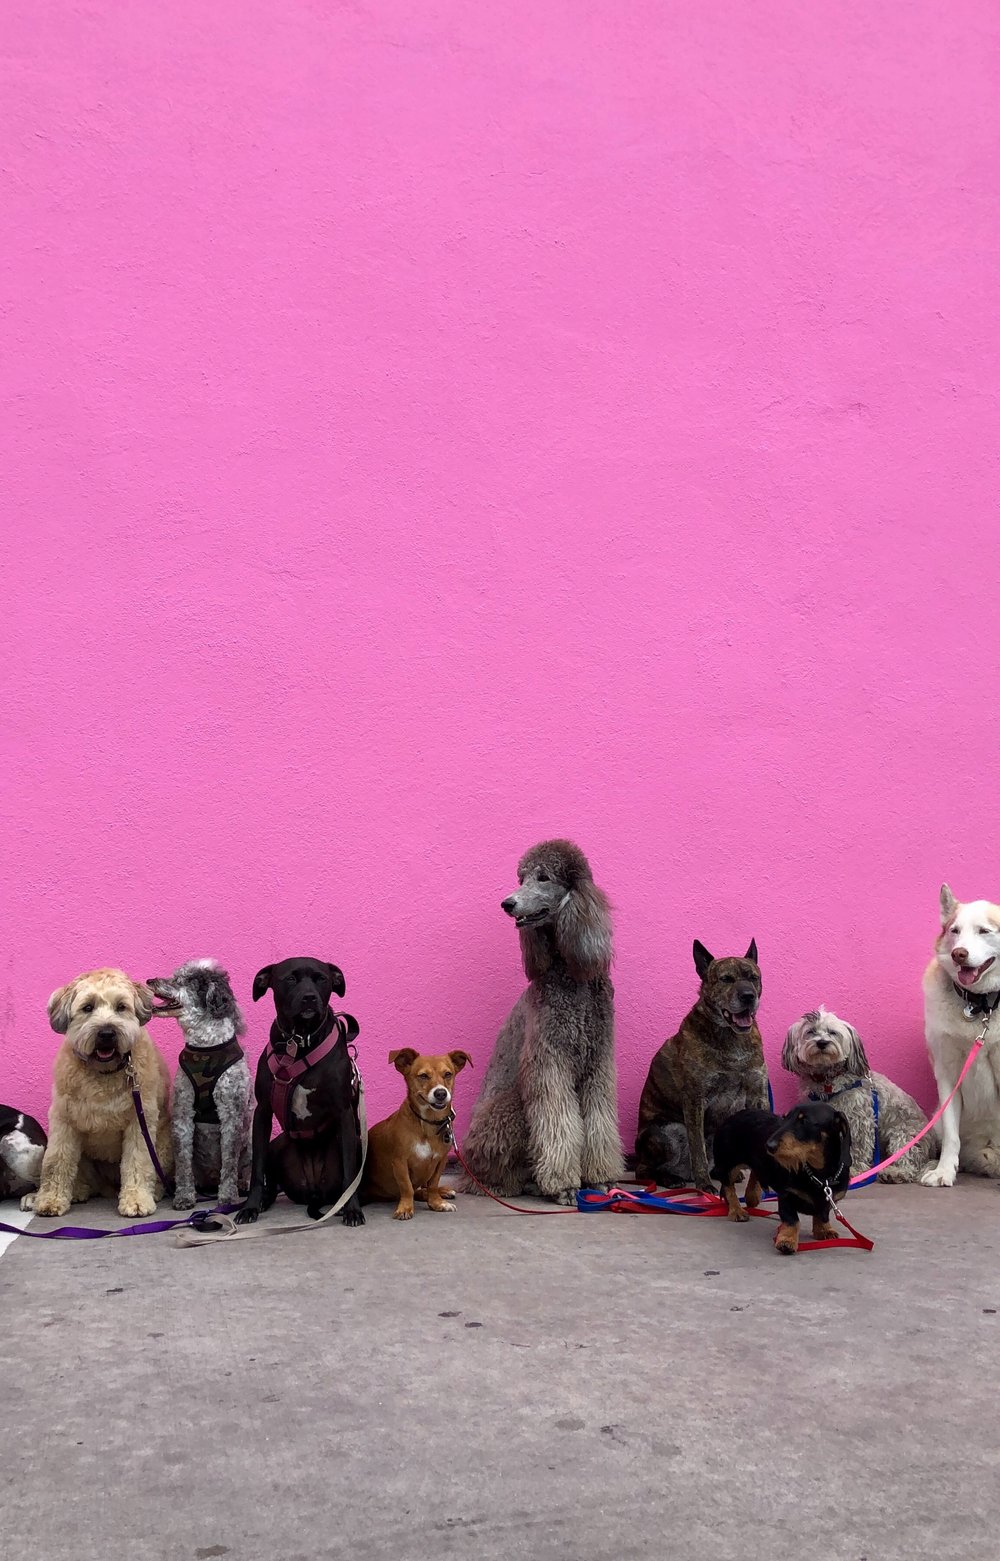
pixel 149 1227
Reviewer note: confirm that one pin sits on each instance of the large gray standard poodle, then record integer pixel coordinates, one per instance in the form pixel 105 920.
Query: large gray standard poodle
pixel 546 1119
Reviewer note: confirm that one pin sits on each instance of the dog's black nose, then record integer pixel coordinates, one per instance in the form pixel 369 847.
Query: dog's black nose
pixel 107 1033
pixel 439 1094
pixel 509 905
pixel 821 1045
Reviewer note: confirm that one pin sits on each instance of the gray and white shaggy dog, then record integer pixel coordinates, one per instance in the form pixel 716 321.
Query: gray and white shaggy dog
pixel 213 1090
pixel 828 1057
pixel 546 1120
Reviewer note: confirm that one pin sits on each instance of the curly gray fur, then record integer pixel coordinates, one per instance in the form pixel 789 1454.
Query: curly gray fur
pixel 210 1159
pixel 828 1057
pixel 546 1119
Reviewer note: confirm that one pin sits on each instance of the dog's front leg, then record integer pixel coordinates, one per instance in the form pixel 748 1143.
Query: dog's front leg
pixel 183 1131
pixel 261 1138
pixel 136 1196
pixel 433 1196
pixel 404 1186
pixel 786 1237
pixel 350 1151
pixel 60 1164
pixel 555 1125
pixel 602 1161
pixel 694 1121
pixel 943 1173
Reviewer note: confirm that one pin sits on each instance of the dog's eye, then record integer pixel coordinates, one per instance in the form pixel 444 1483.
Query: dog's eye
pixel 86 1008
pixel 984 932
pixel 728 980
pixel 121 1008
pixel 543 877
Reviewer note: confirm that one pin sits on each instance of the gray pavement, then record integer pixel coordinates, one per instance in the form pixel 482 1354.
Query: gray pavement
pixel 481 1385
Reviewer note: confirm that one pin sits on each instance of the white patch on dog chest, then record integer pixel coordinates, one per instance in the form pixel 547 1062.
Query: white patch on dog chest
pixel 22 1156
pixel 422 1150
pixel 300 1102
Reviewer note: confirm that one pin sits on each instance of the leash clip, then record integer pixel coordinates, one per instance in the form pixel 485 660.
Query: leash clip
pixel 986 1024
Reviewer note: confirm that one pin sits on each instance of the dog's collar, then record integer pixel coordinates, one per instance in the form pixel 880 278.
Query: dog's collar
pixel 444 1127
pixel 291 1045
pixel 977 1005
pixel 827 1091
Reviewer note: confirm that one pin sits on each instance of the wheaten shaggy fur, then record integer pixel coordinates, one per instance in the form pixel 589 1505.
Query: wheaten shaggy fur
pixel 93 1131
pixel 828 1057
pixel 546 1119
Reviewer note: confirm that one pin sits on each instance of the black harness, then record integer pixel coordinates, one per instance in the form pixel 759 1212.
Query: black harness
pixel 204 1066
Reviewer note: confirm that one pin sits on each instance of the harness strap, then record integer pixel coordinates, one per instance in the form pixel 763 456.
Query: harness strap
pixel 286 1071
pixel 204 1067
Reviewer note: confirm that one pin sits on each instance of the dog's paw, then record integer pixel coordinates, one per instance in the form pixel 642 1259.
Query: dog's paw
pixel 354 1217
pixel 739 1216
pixel 441 1207
pixel 447 1192
pixel 248 1215
pixel 402 1214
pixel 28 1202
pixel 50 1205
pixel 707 1187
pixel 228 1193
pixel 566 1196
pixel 184 1200
pixel 134 1205
pixel 939 1176
pixel 895 1176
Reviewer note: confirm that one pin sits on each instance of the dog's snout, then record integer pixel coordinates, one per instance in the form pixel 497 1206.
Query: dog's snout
pixel 821 1043
pixel 960 956
pixel 107 1032
pixel 509 904
pixel 439 1095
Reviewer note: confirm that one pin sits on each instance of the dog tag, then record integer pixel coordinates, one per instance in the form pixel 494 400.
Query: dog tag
pixel 970 1012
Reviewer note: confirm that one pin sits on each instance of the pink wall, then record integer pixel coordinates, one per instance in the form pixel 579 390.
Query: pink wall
pixel 431 426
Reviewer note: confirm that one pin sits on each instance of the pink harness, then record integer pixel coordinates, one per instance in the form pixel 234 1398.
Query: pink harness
pixel 286 1072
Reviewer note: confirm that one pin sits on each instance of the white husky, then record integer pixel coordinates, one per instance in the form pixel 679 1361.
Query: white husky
pixel 961 995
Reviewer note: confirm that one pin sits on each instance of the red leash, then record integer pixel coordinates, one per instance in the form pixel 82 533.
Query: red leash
pixel 486 1191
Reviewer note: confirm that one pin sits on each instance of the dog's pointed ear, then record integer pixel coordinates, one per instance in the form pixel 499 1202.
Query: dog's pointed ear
pixel 143 1001
pixel 460 1060
pixel 60 1004
pixel 949 904
pixel 261 982
pixel 337 979
pixel 702 958
pixel 403 1059
pixel 751 952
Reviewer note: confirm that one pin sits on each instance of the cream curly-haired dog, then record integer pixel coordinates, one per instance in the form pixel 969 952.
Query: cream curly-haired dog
pixel 94 1135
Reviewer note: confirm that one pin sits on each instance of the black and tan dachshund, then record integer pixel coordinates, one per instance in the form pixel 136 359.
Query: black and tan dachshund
pixel 800 1156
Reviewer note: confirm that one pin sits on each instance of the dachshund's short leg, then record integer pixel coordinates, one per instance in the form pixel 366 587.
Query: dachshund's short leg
pixel 736 1210
pixel 787 1239
pixel 752 1195
pixel 823 1230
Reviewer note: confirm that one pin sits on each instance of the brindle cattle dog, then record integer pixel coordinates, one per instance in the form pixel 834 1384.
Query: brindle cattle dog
pixel 712 1067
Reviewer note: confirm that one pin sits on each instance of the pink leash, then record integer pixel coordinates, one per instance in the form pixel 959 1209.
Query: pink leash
pixel 977 1047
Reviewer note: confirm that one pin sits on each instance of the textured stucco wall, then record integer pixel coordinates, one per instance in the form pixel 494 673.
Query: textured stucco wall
pixel 427 427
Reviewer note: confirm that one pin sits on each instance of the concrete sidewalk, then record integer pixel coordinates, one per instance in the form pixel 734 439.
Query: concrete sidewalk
pixel 585 1388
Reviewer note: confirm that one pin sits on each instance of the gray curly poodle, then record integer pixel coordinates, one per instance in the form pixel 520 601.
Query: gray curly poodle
pixel 546 1120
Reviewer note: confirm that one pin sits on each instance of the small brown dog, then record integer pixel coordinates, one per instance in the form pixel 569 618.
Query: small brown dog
pixel 409 1150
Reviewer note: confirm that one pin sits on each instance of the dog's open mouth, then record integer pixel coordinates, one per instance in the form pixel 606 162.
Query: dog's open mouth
pixel 530 919
pixel 166 1004
pixel 740 1021
pixel 968 975
pixel 105 1051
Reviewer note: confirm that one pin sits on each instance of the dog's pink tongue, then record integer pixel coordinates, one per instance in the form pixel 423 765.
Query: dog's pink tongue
pixel 969 975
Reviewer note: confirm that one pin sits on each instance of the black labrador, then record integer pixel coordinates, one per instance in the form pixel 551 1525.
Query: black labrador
pixel 306 1077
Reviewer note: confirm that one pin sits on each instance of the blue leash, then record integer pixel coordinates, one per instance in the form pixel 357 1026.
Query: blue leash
pixel 873 1175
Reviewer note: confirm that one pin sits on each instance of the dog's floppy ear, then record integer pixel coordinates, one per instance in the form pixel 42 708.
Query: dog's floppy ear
pixel 350 1026
pixel 751 952
pixel 143 1001
pixel 460 1060
pixel 337 979
pixel 60 1004
pixel 949 904
pixel 702 959
pixel 404 1058
pixel 788 1058
pixel 857 1057
pixel 583 930
pixel 838 1158
pixel 261 982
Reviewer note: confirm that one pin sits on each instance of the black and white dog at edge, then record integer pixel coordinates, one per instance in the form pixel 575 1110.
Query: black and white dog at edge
pixel 213 1089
